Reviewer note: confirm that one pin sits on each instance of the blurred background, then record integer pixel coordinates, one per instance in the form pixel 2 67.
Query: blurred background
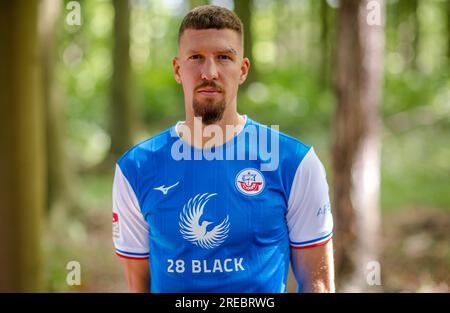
pixel 367 83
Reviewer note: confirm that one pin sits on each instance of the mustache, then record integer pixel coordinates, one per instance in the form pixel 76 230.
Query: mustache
pixel 210 84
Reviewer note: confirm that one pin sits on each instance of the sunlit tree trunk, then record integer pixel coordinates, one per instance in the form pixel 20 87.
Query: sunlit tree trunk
pixel 61 179
pixel 22 157
pixel 356 146
pixel 243 9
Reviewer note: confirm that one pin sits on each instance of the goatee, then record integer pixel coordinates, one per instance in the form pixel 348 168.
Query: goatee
pixel 210 111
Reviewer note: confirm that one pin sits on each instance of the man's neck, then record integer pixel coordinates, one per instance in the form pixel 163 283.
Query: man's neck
pixel 216 134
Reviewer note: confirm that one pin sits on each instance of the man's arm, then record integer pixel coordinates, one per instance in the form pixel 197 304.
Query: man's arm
pixel 130 232
pixel 314 268
pixel 137 273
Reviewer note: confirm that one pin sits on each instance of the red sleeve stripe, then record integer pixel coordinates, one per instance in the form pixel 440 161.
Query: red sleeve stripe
pixel 312 245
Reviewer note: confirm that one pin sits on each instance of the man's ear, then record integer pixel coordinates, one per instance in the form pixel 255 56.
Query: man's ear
pixel 245 66
pixel 176 69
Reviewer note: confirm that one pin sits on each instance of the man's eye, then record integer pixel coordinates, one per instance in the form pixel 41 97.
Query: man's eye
pixel 195 57
pixel 224 57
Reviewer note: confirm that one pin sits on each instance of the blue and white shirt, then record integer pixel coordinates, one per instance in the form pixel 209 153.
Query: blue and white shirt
pixel 221 224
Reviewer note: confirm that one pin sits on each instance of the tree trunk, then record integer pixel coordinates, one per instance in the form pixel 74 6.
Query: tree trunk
pixel 448 30
pixel 243 9
pixel 121 97
pixel 324 46
pixel 415 32
pixel 61 179
pixel 22 161
pixel 356 147
pixel 409 31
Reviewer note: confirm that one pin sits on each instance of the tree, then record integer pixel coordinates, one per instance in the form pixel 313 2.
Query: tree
pixel 243 9
pixel 448 30
pixel 61 179
pixel 325 15
pixel 416 32
pixel 409 31
pixel 324 31
pixel 22 161
pixel 121 124
pixel 356 147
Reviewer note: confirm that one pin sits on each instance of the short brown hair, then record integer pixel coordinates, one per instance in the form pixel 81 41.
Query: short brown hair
pixel 211 16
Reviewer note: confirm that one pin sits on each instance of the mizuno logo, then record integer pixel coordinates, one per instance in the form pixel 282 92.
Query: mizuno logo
pixel 164 190
pixel 194 231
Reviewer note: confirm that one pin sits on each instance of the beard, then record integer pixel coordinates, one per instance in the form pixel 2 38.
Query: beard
pixel 210 110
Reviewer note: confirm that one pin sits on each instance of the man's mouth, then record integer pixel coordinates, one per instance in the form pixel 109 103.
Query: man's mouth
pixel 209 92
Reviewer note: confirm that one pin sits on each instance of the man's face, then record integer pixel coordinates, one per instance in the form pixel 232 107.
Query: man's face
pixel 210 66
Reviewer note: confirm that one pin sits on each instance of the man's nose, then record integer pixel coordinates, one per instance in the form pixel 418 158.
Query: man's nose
pixel 209 70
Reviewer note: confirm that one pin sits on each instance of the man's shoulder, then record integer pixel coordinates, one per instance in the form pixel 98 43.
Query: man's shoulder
pixel 288 145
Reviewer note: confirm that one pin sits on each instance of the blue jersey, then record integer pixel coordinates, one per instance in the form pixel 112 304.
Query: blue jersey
pixel 223 221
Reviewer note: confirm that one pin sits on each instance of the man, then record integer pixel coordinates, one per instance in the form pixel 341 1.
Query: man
pixel 220 222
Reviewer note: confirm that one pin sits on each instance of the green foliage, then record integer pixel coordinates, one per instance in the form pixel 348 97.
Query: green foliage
pixel 415 169
pixel 290 92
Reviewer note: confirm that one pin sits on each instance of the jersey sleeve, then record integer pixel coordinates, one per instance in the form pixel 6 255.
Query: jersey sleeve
pixel 130 230
pixel 309 217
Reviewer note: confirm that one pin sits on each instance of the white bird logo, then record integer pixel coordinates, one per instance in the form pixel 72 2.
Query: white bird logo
pixel 190 226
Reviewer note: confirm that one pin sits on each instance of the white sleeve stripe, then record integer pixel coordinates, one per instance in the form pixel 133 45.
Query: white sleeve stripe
pixel 132 254
pixel 131 250
pixel 123 256
pixel 312 242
